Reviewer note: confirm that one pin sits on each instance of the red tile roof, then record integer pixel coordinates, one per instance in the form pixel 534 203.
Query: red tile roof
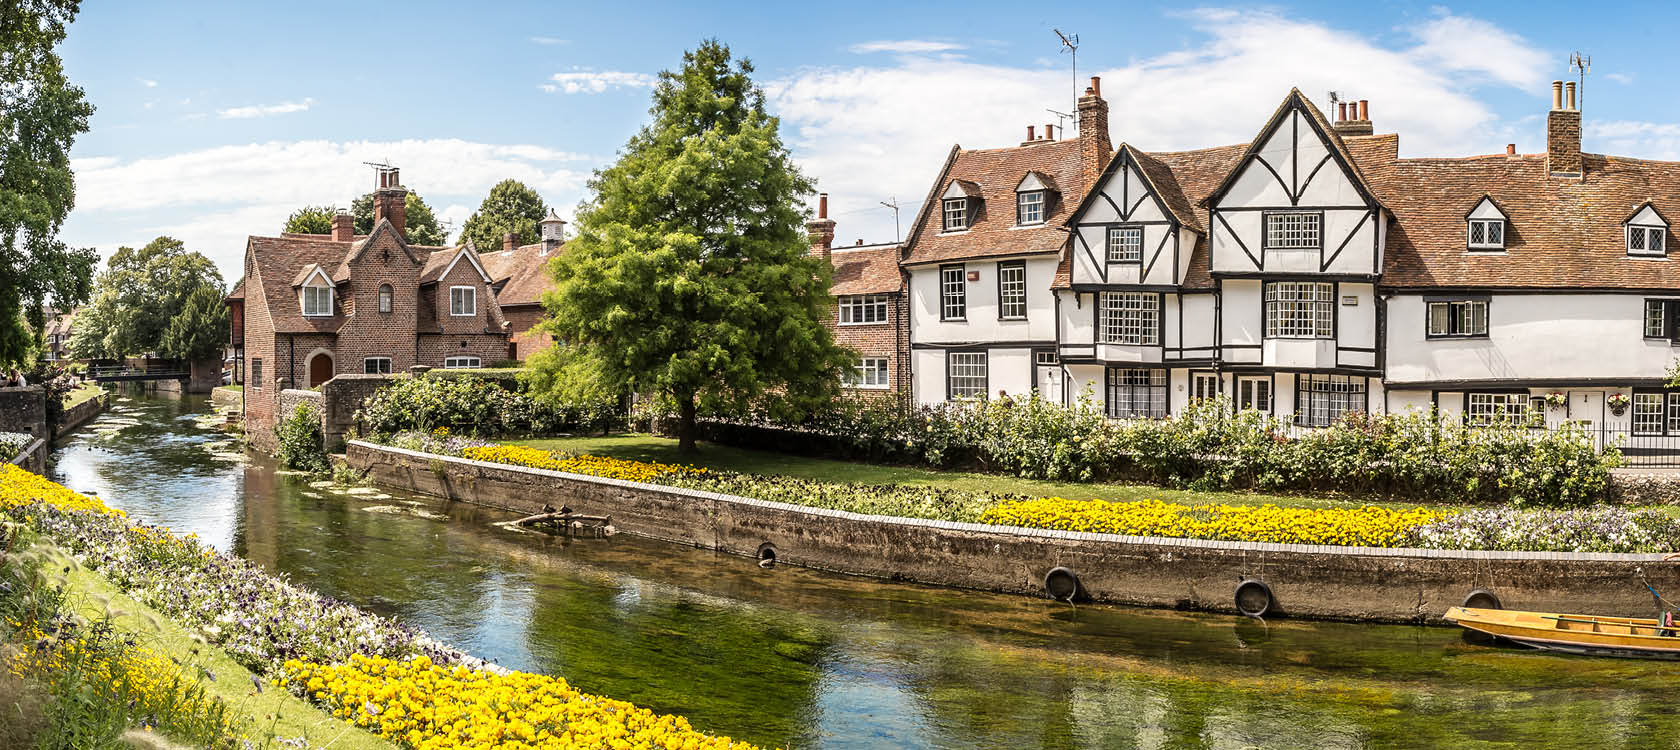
pixel 871 269
pixel 522 272
pixel 996 173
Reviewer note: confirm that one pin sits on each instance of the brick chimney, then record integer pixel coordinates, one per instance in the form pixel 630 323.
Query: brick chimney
pixel 1354 118
pixel 1094 146
pixel 510 241
pixel 343 227
pixel 1563 132
pixel 821 229
pixel 388 199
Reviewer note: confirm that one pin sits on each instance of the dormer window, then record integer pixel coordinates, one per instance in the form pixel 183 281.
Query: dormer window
pixel 1029 207
pixel 1033 195
pixel 1485 227
pixel 960 201
pixel 956 214
pixel 1647 233
pixel 316 296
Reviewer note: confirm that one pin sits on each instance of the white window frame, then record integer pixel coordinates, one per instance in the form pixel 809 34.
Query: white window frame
pixel 871 373
pixel 1485 234
pixel 471 299
pixel 462 363
pixel 1293 230
pixel 953 292
pixel 1320 400
pixel 1012 290
pixel 310 294
pixel 1129 318
pixel 1642 238
pixel 1029 207
pixel 955 214
pixel 1300 309
pixel 376 363
pixel 974 366
pixel 1122 248
pixel 1485 409
pixel 1134 392
pixel 1255 394
pixel 1456 319
pixel 1656 318
pixel 1648 413
pixel 863 309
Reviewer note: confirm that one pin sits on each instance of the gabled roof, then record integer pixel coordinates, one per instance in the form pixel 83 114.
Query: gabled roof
pixel 282 260
pixel 520 275
pixel 994 174
pixel 1036 180
pixel 1488 199
pixel 1641 209
pixel 868 269
pixel 1294 102
pixel 440 263
pixel 308 274
pixel 238 291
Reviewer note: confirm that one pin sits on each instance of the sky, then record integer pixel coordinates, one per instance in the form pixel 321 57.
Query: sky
pixel 215 121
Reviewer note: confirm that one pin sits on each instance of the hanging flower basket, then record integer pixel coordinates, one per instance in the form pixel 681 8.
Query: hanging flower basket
pixel 1618 403
pixel 1557 399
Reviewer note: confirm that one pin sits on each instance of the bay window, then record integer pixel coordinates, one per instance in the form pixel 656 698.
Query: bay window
pixel 1300 309
pixel 1131 318
pixel 1320 400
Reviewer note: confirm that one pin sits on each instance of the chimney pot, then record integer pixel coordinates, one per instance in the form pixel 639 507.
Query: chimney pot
pixel 1569 95
pixel 1029 132
pixel 1096 86
pixel 1557 94
pixel 1049 132
pixel 1510 149
pixel 1341 111
pixel 388 202
pixel 822 205
pixel 1364 109
pixel 860 242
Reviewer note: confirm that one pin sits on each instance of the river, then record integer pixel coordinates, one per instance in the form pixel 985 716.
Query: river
pixel 799 659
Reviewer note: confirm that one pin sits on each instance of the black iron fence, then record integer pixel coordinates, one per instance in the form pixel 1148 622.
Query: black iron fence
pixel 1641 446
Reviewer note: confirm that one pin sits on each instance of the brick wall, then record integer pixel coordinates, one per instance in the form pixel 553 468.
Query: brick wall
pixel 890 339
pixel 521 319
pixel 369 332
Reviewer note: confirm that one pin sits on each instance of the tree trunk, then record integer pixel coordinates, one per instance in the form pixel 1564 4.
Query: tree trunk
pixel 685 426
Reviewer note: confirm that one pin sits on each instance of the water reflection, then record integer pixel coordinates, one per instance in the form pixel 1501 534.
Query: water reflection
pixel 795 658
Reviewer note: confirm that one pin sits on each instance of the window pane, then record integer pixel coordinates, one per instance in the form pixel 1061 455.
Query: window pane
pixel 967 374
pixel 1654 240
pixel 1478 232
pixel 1012 290
pixel 1438 325
pixel 1292 230
pixel 1636 238
pixel 956 214
pixel 953 293
pixel 1300 310
pixel 1647 413
pixel 1125 244
pixel 1655 319
pixel 1130 318
pixel 1496 233
pixel 1030 207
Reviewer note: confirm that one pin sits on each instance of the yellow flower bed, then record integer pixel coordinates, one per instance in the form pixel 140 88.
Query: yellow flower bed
pixel 1370 526
pixel 595 466
pixel 427 707
pixel 19 487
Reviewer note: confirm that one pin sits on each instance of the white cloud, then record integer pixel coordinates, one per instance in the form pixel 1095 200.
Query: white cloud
pixel 904 46
pixel 1462 44
pixel 213 198
pixel 1621 78
pixel 872 131
pixel 549 40
pixel 264 110
pixel 596 81
pixel 1649 140
pixel 147 82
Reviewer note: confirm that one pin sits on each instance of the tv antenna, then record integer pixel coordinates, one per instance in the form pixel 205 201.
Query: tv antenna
pixel 892 203
pixel 1335 98
pixel 380 169
pixel 1070 45
pixel 1582 65
pixel 1061 120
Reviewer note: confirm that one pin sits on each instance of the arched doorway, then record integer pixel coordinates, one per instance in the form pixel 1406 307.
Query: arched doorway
pixel 320 369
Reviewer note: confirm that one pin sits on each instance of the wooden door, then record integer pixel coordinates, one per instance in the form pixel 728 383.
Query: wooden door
pixel 320 370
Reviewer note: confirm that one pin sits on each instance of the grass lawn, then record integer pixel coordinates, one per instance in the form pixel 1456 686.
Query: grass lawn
pixel 82 393
pixel 643 447
pixel 232 683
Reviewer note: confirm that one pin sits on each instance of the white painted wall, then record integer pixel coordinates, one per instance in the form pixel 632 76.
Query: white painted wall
pixel 1530 336
pixel 982 324
pixel 1241 320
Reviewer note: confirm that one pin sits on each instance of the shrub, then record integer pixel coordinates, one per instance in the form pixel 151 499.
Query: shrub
pixel 473 405
pixel 300 441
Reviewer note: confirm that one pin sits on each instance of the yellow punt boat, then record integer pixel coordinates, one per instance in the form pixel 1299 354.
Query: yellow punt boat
pixel 1629 637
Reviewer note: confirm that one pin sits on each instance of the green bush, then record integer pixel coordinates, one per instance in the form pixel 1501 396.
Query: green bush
pixel 1206 447
pixel 477 406
pixel 300 441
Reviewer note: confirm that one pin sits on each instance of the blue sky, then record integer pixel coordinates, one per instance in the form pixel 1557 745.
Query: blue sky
pixel 214 121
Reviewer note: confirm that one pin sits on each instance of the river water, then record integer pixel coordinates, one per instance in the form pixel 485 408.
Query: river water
pixel 799 659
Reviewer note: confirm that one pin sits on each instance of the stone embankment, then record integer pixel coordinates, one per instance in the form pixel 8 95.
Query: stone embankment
pixel 1314 581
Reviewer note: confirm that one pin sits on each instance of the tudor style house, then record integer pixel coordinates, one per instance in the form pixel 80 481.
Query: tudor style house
pixel 870 314
pixel 311 307
pixel 1309 273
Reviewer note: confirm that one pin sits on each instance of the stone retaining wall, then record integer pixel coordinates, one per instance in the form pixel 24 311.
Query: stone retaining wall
pixel 1352 583
pixel 75 416
pixel 227 396
pixel 33 458
pixel 24 409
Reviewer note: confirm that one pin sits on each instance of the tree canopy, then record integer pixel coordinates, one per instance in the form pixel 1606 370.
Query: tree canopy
pixel 138 296
pixel 690 276
pixel 311 220
pixel 200 329
pixel 510 207
pixel 41 114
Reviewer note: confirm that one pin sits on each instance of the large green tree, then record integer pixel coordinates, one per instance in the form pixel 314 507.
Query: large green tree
pixel 510 207
pixel 41 114
pixel 138 295
pixel 420 224
pixel 199 330
pixel 690 276
pixel 311 220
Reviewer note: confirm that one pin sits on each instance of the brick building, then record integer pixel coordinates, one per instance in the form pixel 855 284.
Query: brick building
pixel 314 306
pixel 519 276
pixel 870 314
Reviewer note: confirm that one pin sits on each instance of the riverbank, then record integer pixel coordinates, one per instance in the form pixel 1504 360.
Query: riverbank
pixel 1314 581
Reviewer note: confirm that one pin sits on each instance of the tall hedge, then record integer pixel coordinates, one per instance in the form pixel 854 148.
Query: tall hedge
pixel 475 405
